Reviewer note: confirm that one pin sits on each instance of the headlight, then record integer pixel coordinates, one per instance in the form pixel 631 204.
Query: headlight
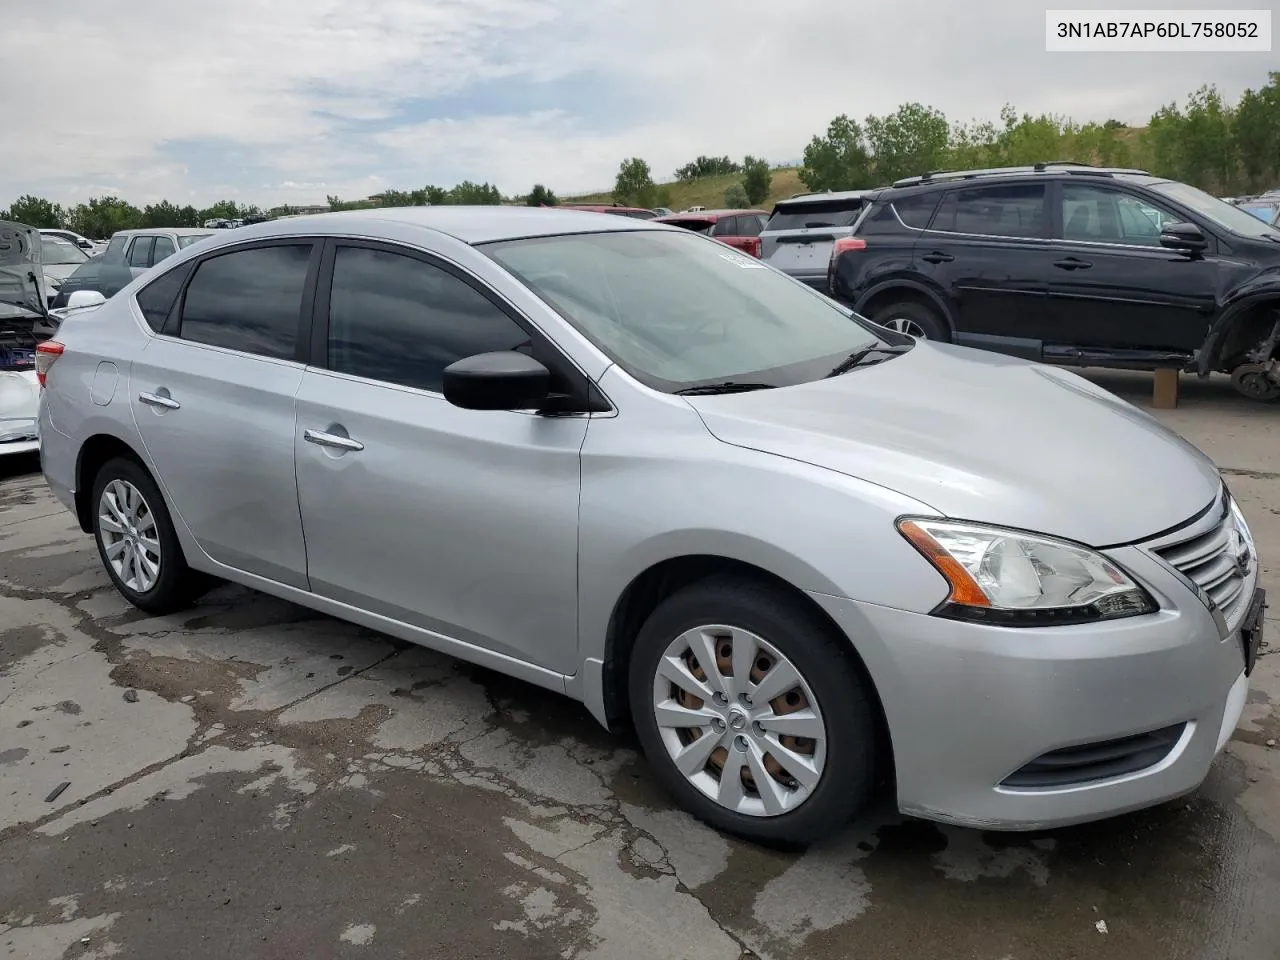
pixel 1019 579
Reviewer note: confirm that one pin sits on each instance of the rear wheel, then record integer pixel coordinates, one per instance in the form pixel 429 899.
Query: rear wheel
pixel 913 318
pixel 137 542
pixel 1253 380
pixel 752 711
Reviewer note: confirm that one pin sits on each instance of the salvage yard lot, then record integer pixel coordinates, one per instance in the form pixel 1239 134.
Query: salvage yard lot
pixel 251 779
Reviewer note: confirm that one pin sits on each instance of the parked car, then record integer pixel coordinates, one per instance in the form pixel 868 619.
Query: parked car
pixel 24 322
pixel 58 259
pixel 626 464
pixel 662 211
pixel 129 254
pixel 1265 208
pixel 1071 264
pixel 638 213
pixel 799 235
pixel 90 247
pixel 738 228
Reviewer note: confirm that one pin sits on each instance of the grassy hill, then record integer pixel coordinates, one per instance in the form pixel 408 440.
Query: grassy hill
pixel 709 192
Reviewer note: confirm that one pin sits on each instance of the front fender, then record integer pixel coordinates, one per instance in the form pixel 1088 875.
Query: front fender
pixel 1260 289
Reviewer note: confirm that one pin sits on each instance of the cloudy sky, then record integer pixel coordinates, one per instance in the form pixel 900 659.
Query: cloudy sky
pixel 286 101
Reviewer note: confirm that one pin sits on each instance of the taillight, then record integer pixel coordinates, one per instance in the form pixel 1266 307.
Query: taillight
pixel 46 353
pixel 753 246
pixel 846 245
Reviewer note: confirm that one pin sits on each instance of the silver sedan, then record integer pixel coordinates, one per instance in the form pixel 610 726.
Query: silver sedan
pixel 626 463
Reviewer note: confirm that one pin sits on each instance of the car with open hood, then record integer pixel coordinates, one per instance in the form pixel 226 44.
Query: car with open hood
pixel 793 549
pixel 24 322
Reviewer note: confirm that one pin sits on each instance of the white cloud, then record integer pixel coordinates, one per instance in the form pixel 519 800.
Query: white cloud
pixel 107 91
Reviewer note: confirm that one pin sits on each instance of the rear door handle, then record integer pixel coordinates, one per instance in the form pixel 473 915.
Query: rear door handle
pixel 937 257
pixel 323 439
pixel 156 400
pixel 1072 263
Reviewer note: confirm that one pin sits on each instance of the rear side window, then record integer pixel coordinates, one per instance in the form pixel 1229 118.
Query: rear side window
pixel 250 300
pixel 164 248
pixel 797 216
pixel 402 320
pixel 726 227
pixel 916 211
pixel 140 252
pixel 1002 210
pixel 750 225
pixel 156 299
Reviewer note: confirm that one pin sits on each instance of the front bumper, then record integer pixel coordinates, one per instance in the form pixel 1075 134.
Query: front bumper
pixel 968 705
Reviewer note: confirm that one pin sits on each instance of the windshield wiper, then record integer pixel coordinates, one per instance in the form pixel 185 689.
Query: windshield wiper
pixel 729 386
pixel 859 357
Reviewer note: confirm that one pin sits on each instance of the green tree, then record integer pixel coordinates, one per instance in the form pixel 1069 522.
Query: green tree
pixel 1257 135
pixel 839 160
pixel 910 141
pixel 662 196
pixel 479 194
pixel 757 179
pixel 706 167
pixel 540 196
pixel 166 214
pixel 103 216
pixel 35 212
pixel 634 183
pixel 735 197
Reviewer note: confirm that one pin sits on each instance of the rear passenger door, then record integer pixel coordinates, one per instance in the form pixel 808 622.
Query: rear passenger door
pixel 139 254
pixel 213 397
pixel 988 254
pixel 730 230
pixel 459 522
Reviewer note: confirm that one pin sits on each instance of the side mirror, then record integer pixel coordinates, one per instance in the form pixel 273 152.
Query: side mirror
pixel 1185 237
pixel 84 244
pixel 497 381
pixel 85 298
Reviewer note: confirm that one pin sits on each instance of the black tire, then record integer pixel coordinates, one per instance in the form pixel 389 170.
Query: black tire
pixel 177 585
pixel 828 666
pixel 926 318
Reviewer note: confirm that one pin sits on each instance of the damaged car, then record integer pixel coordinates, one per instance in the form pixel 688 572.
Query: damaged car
pixel 24 322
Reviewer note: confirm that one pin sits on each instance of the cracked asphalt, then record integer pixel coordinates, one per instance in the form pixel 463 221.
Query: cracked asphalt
pixel 253 780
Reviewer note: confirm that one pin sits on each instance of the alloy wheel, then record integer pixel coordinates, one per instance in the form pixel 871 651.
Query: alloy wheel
pixel 739 721
pixel 906 325
pixel 130 540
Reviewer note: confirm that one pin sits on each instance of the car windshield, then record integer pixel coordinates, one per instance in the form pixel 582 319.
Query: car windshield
pixel 1225 215
pixel 56 251
pixel 676 310
pixel 1263 211
pixel 184 242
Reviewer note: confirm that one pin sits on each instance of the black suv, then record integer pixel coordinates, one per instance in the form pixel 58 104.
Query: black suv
pixel 1067 263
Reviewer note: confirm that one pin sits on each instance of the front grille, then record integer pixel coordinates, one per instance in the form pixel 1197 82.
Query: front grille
pixel 1215 556
pixel 1096 761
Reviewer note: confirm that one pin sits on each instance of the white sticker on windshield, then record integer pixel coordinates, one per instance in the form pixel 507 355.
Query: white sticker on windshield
pixel 738 260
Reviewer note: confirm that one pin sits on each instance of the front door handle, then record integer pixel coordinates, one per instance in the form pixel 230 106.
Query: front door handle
pixel 157 400
pixel 331 440
pixel 1072 263
pixel 937 257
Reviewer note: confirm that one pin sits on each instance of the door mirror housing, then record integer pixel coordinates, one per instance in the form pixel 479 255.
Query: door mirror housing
pixel 85 298
pixel 497 381
pixel 1185 237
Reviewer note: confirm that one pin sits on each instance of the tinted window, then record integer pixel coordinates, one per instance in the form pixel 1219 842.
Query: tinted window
pixel 189 239
pixel 726 227
pixel 1110 216
pixel 916 211
pixel 164 248
pixel 140 252
pixel 831 213
pixel 157 297
pixel 116 247
pixel 249 300
pixel 750 225
pixel 399 319
pixel 1222 214
pixel 1006 210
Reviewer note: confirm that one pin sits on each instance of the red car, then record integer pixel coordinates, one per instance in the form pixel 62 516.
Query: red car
pixel 738 228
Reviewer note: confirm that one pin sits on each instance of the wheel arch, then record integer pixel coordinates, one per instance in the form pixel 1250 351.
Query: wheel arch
pixel 1243 323
pixel 94 453
pixel 648 588
pixel 892 291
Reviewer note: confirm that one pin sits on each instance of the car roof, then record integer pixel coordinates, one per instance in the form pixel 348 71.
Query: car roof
pixel 176 231
pixel 829 196
pixel 707 215
pixel 472 225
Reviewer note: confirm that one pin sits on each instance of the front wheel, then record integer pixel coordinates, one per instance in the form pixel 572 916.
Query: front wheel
pixel 752 711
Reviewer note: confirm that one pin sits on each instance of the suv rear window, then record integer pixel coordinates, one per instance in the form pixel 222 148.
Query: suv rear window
pixel 832 213
pixel 916 211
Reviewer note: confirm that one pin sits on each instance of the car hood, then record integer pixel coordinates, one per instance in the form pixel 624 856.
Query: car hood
pixel 22 287
pixel 983 437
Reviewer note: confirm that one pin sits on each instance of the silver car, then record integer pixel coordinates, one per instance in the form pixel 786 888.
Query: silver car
pixel 625 463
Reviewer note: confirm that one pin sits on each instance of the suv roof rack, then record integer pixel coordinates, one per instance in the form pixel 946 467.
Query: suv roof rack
pixel 1062 166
